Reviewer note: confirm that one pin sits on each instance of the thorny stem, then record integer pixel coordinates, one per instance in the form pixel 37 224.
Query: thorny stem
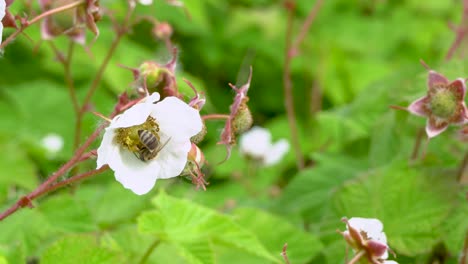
pixel 357 257
pixel 38 18
pixel 150 250
pixel 460 32
pixel 284 254
pixel 215 116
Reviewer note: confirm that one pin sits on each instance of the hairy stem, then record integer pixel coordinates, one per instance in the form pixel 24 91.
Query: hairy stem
pixel 38 18
pixel 73 179
pixel 215 117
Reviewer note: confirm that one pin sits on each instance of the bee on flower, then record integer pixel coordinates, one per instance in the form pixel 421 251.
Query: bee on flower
pixel 149 141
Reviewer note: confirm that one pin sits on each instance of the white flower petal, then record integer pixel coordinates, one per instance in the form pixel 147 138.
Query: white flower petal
pixel 276 152
pixel 107 149
pixel 255 142
pixel 390 262
pixel 134 174
pixel 135 115
pixel 145 2
pixel 176 118
pixel 373 227
pixel 173 158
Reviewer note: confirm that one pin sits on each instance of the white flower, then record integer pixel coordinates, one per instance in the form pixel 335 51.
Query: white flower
pixel 145 2
pixel 2 14
pixel 53 143
pixel 256 143
pixel 367 234
pixel 177 123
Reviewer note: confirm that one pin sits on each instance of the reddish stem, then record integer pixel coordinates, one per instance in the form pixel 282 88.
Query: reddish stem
pixel 43 188
pixel 284 254
pixel 215 117
pixel 38 18
pixel 73 179
pixel 460 32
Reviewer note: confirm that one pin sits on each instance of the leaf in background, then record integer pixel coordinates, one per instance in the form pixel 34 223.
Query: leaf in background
pixel 115 203
pixel 411 203
pixel 17 169
pixel 310 191
pixel 66 214
pixel 185 223
pixel 274 232
pixel 456 226
pixel 80 249
pixel 26 231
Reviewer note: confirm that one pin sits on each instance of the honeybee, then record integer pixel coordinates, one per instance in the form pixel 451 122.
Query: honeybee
pixel 151 145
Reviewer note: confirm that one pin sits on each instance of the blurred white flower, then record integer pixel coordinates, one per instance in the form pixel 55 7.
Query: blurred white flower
pixel 145 2
pixel 2 14
pixel 366 235
pixel 52 142
pixel 256 143
pixel 174 123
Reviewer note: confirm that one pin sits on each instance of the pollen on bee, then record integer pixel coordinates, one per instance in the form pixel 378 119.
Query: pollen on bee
pixel 128 138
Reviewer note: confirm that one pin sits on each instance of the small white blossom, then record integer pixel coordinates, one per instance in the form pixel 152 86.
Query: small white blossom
pixel 53 143
pixel 256 143
pixel 367 234
pixel 145 2
pixel 177 123
pixel 2 14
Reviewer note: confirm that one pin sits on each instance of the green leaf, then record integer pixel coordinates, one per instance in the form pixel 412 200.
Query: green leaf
pixel 66 214
pixel 412 204
pixel 24 232
pixel 274 232
pixel 311 189
pixel 456 227
pixel 17 168
pixel 79 249
pixel 198 252
pixel 116 204
pixel 180 221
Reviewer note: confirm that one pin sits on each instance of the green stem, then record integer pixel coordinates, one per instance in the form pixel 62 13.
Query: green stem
pixel 148 252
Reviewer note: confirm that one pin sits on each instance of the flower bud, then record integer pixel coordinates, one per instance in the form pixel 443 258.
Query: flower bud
pixel 150 72
pixel 162 30
pixel 200 136
pixel 242 120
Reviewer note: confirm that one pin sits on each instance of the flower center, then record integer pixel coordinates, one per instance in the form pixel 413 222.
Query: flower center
pixel 443 103
pixel 139 138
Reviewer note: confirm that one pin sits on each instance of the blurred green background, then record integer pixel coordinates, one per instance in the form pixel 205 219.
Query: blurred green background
pixel 362 56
